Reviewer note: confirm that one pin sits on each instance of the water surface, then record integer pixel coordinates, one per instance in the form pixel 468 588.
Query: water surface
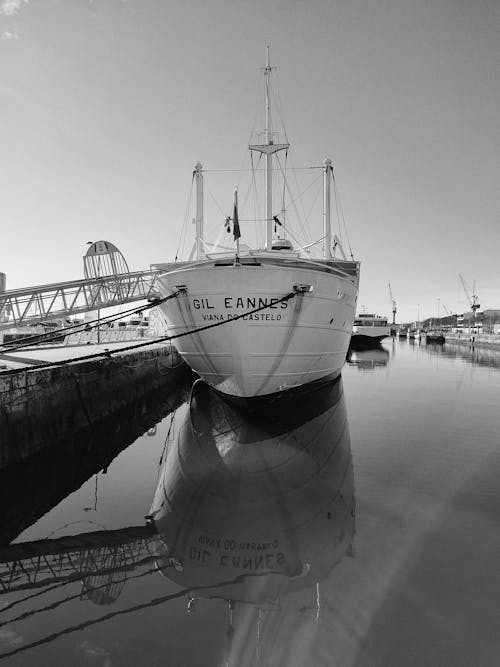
pixel 355 525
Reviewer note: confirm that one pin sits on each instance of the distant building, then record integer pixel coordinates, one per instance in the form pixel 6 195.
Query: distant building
pixel 491 321
pixel 486 321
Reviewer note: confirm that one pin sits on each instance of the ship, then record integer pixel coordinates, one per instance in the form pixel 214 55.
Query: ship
pixel 369 330
pixel 253 321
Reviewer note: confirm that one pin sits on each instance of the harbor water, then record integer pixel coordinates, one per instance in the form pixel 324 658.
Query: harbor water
pixel 353 524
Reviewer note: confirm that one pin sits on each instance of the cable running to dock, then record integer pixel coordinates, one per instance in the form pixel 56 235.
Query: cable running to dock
pixel 110 353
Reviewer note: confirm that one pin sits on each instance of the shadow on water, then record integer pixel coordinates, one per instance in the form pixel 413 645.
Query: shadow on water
pixel 254 508
pixel 30 488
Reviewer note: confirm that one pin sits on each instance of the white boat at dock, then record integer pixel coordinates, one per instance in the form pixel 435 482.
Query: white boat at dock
pixel 369 330
pixel 295 312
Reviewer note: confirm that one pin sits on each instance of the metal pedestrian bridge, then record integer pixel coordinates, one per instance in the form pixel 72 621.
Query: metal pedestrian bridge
pixel 107 282
pixel 61 300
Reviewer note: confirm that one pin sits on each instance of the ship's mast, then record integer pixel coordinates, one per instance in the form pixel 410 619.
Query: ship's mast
pixel 268 149
pixel 198 175
pixel 269 159
pixel 327 229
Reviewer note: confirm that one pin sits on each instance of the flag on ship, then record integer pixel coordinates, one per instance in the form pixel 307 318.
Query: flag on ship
pixel 236 224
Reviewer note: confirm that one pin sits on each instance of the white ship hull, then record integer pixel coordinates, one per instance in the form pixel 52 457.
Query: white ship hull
pixel 285 345
pixel 369 336
pixel 372 332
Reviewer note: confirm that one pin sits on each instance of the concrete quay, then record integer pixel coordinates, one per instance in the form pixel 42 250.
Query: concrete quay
pixel 487 341
pixel 40 406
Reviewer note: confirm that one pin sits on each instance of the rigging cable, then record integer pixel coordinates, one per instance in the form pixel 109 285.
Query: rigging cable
pixel 283 208
pixel 182 237
pixel 304 230
pixel 279 105
pixel 229 171
pixel 257 212
pixel 299 219
pixel 337 198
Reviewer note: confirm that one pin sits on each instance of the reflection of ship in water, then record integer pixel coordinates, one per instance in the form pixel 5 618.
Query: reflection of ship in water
pixel 255 506
pixel 369 360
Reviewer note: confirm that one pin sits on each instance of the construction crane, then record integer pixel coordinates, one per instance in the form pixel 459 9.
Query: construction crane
pixel 448 313
pixel 473 300
pixel 393 305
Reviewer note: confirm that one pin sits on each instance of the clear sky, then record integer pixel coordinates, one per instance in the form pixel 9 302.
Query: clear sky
pixel 106 105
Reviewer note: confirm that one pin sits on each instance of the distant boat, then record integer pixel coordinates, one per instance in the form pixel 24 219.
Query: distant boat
pixel 403 333
pixel 369 330
pixel 295 312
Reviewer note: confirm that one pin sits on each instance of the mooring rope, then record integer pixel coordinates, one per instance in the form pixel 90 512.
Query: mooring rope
pixel 78 328
pixel 109 353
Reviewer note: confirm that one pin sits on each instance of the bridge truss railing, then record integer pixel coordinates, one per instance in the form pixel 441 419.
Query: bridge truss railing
pixel 62 300
pixel 36 565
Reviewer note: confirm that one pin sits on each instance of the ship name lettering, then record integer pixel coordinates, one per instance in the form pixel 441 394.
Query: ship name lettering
pixel 212 317
pixel 203 304
pixel 221 317
pixel 251 302
pixel 270 317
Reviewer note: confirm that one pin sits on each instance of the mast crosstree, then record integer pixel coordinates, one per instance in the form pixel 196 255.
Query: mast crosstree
pixel 268 149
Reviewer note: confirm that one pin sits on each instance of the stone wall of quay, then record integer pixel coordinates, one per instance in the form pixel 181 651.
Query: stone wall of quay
pixel 43 405
pixel 488 341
